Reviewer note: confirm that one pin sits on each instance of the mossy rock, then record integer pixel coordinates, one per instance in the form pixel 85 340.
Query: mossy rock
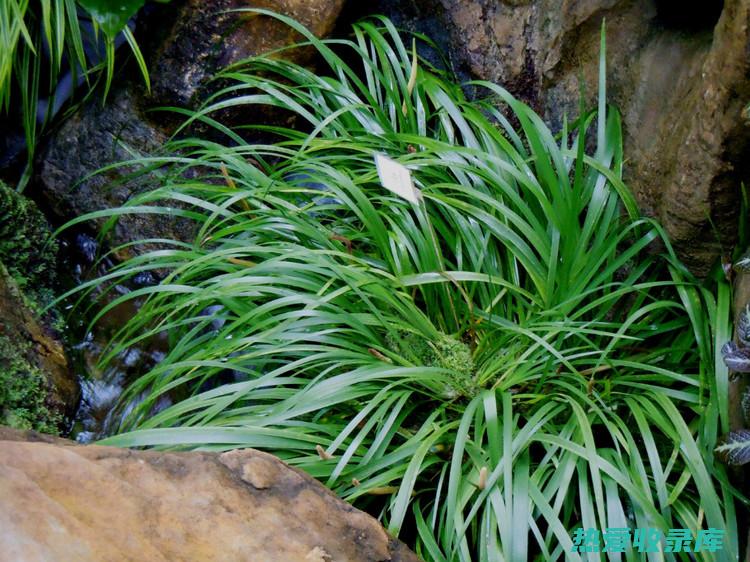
pixel 23 391
pixel 27 248
pixel 38 387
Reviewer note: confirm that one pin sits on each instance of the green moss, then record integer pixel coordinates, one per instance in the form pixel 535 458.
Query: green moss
pixel 445 352
pixel 23 392
pixel 27 248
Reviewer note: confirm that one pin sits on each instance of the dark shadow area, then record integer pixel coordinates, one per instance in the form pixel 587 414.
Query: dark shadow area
pixel 689 15
pixel 411 16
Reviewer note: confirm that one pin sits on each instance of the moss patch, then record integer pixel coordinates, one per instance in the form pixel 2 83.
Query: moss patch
pixel 27 248
pixel 446 352
pixel 23 392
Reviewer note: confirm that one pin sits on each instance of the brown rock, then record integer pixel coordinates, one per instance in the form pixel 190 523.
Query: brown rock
pixel 208 36
pixel 63 501
pixel 678 71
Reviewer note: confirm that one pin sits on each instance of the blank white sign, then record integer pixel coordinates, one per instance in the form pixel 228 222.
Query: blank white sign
pixel 396 178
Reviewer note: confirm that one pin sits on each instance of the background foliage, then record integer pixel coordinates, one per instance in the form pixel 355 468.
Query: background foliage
pixel 40 40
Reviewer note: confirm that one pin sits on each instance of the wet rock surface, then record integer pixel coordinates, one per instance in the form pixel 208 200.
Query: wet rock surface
pixel 63 501
pixel 95 137
pixel 678 71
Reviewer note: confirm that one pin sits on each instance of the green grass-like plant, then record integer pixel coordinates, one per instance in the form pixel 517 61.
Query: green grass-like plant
pixel 486 370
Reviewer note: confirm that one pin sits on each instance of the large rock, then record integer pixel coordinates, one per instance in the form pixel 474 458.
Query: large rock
pixel 62 501
pixel 95 137
pixel 678 71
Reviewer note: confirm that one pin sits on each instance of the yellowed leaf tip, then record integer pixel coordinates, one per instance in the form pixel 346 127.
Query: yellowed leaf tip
pixel 323 454
pixel 412 76
pixel 482 484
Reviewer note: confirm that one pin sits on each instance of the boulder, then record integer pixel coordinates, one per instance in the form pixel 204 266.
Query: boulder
pixel 678 71
pixel 96 136
pixel 63 501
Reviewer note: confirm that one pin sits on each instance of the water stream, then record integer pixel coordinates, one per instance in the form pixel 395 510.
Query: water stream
pixel 98 413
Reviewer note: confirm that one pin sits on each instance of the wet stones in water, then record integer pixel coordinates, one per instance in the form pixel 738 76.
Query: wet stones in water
pixel 101 412
pixel 86 248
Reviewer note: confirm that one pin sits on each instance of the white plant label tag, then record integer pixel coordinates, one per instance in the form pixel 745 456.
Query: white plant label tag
pixel 396 177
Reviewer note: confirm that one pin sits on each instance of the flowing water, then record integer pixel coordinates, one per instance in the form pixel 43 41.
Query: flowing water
pixel 98 413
